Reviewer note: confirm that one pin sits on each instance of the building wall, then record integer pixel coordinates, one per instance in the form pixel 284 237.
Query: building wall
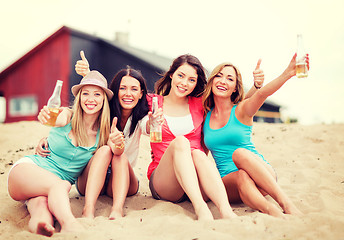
pixel 28 83
pixel 108 60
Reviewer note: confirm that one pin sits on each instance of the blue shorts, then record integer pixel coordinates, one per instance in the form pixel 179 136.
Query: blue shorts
pixel 107 180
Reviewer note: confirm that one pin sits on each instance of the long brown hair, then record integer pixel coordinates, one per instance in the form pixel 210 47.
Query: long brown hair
pixel 163 85
pixel 236 97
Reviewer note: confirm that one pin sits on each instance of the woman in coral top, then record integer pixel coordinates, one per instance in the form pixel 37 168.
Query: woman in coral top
pixel 180 169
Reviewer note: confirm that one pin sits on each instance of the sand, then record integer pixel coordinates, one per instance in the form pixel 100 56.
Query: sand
pixel 309 161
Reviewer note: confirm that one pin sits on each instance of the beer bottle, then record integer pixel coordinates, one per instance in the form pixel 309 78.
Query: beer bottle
pixel 301 65
pixel 155 127
pixel 54 104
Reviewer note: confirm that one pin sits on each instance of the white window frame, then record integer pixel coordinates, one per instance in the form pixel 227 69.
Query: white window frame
pixel 25 105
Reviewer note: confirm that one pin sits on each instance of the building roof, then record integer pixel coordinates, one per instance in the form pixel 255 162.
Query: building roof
pixel 150 58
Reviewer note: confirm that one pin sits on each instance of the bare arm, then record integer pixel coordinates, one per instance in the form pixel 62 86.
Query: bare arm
pixel 251 106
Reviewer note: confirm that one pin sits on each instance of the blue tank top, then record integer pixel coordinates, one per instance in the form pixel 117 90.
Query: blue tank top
pixel 65 160
pixel 224 141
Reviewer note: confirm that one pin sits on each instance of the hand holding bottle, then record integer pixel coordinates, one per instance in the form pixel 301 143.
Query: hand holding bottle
pixel 302 65
pixel 48 116
pixel 156 119
pixel 82 67
pixel 291 70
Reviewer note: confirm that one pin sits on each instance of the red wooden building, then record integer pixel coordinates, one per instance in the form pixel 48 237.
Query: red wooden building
pixel 26 85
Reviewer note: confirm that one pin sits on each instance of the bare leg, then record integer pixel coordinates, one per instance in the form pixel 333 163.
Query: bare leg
pixel 176 174
pixel 253 198
pixel 29 181
pixel 123 182
pixel 59 205
pixel 263 175
pixel 211 183
pixel 41 220
pixel 91 181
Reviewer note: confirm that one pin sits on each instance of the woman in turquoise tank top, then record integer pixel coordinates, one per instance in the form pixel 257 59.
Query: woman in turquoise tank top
pixel 227 134
pixel 45 182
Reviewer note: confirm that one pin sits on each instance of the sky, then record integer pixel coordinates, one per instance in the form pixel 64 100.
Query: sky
pixel 215 31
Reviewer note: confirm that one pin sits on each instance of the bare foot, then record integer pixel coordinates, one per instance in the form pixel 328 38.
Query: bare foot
pixel 72 226
pixel 116 214
pixel 44 229
pixel 88 213
pixel 293 210
pixel 204 213
pixel 228 215
pixel 274 211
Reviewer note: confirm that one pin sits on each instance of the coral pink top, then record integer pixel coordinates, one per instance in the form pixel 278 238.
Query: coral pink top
pixel 196 110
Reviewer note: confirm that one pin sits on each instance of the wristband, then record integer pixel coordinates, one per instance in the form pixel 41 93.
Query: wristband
pixel 120 146
pixel 256 86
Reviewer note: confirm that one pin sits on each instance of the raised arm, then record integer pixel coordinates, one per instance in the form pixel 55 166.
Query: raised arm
pixel 251 106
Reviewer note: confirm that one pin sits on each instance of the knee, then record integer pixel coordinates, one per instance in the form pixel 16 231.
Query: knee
pixel 181 143
pixel 102 156
pixel 63 185
pixel 243 177
pixel 200 156
pixel 104 152
pixel 240 157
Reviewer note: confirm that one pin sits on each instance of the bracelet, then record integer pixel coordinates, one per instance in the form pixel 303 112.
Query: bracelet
pixel 120 146
pixel 256 86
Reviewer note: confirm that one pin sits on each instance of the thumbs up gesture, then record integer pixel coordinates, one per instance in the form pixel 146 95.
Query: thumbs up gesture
pixel 82 67
pixel 258 75
pixel 116 137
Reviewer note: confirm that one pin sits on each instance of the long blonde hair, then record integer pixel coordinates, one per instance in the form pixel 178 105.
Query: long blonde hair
pixel 102 123
pixel 236 97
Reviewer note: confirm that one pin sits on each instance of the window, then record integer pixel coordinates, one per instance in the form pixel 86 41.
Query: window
pixel 2 109
pixel 23 106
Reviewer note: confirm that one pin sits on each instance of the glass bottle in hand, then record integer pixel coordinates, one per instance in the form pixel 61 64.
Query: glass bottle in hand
pixel 54 104
pixel 155 127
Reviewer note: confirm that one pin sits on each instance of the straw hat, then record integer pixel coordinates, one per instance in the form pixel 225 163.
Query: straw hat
pixel 93 78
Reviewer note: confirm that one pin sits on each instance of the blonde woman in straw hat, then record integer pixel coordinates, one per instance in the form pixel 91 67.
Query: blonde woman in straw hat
pixel 45 182
pixel 111 170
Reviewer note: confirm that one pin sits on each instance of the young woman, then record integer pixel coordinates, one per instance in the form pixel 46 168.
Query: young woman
pixel 180 169
pixel 110 170
pixel 46 182
pixel 245 173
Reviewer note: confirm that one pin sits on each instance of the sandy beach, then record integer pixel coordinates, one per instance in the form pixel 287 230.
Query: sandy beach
pixel 309 161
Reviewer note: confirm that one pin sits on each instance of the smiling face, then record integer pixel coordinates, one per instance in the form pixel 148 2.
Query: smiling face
pixel 129 92
pixel 91 99
pixel 224 82
pixel 184 80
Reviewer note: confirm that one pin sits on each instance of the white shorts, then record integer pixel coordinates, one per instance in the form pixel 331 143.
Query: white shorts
pixel 22 160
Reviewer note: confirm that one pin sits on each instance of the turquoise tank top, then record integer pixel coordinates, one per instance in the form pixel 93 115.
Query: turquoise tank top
pixel 65 160
pixel 224 141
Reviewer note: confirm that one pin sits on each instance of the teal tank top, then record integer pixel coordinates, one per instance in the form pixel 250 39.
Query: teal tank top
pixel 65 160
pixel 224 141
